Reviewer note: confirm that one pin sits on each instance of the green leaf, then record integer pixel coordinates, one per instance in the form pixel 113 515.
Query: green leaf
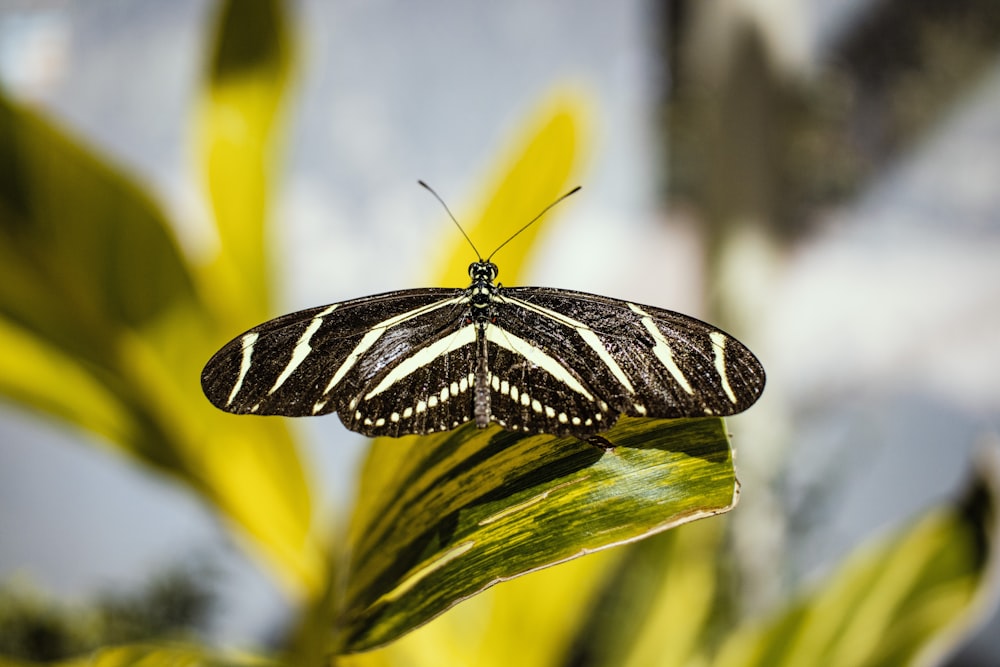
pixel 470 508
pixel 904 600
pixel 542 609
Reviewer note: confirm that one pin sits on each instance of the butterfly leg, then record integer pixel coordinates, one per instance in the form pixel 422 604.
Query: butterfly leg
pixel 601 443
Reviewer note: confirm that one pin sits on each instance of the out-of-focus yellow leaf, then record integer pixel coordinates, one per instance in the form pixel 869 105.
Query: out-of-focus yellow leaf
pixel 40 376
pixel 657 603
pixel 249 468
pixel 100 305
pixel 542 166
pixel 82 249
pixel 162 655
pixel 238 149
pixel 252 468
pixel 905 600
pixel 541 610
pixel 474 507
pixel 683 600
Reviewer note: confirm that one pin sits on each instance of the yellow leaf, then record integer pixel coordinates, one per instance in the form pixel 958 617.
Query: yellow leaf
pixel 41 377
pixel 542 166
pixel 237 142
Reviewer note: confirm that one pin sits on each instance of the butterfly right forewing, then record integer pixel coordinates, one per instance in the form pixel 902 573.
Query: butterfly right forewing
pixel 641 360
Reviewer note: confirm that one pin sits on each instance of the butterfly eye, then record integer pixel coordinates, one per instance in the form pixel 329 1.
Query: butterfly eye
pixel 472 270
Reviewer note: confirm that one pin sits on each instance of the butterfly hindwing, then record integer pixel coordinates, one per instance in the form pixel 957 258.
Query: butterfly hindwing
pixel 418 378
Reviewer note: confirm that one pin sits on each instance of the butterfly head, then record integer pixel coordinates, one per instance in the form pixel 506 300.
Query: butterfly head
pixel 483 271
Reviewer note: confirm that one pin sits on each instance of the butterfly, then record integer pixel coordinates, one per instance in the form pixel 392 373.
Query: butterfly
pixel 530 359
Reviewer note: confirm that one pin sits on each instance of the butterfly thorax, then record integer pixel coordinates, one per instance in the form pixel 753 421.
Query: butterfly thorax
pixel 482 291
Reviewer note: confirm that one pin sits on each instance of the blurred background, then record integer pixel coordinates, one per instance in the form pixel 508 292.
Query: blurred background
pixel 819 177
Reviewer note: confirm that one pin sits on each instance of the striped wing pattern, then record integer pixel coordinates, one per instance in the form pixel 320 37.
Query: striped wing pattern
pixel 556 361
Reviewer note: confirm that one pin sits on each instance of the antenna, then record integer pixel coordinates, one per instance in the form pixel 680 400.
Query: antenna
pixel 532 221
pixel 448 211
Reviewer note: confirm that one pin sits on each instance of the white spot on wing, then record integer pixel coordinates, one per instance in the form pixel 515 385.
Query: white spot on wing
pixel 248 342
pixel 536 356
pixel 719 344
pixel 662 348
pixel 588 336
pixel 302 348
pixel 378 330
pixel 424 356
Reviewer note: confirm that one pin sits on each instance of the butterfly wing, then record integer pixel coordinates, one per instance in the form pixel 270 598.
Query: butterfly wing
pixel 592 358
pixel 345 357
pixel 556 361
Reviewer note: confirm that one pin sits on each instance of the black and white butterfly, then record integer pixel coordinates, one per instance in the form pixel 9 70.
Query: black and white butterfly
pixel 531 359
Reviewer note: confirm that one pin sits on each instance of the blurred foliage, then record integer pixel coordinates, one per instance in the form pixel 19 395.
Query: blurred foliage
pixel 107 325
pixel 237 138
pixel 751 137
pixel 108 329
pixel 903 599
pixel 175 604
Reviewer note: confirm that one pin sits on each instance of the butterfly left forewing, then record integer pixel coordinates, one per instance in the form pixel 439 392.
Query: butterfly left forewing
pixel 316 361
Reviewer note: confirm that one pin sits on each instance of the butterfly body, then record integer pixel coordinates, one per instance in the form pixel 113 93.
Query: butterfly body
pixel 531 359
